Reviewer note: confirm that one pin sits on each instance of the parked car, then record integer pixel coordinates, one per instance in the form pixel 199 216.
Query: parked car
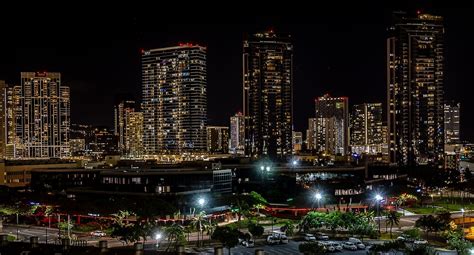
pixel 283 239
pixel 98 233
pixel 248 243
pixel 309 237
pixel 321 236
pixel 349 246
pixel 272 240
pixel 405 238
pixel 337 246
pixel 328 246
pixel 420 241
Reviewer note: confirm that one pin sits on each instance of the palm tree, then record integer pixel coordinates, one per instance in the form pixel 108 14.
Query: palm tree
pixel 393 218
pixel 199 223
pixel 175 234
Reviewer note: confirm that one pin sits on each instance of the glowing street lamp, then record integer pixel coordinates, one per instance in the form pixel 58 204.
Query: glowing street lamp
pixel 318 197
pixel 201 202
pixel 158 237
pixel 378 199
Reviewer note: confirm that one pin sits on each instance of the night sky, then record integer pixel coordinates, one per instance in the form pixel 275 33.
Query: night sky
pixel 336 51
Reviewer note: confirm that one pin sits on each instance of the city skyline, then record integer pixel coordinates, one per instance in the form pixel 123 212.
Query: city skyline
pixel 321 66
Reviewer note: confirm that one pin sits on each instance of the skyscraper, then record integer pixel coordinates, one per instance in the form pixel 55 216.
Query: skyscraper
pixel 332 125
pixel 121 111
pixel 174 99
pixel 42 116
pixel 217 139
pixel 452 122
pixel 367 128
pixel 237 134
pixel 268 86
pixel 3 119
pixel 297 141
pixel 415 75
pixel 311 134
pixel 134 134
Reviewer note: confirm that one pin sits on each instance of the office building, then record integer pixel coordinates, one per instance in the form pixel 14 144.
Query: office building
pixel 311 134
pixel 297 141
pixel 121 111
pixel 217 139
pixel 174 99
pixel 452 123
pixel 237 134
pixel 415 76
pixel 332 125
pixel 134 134
pixel 268 86
pixel 367 128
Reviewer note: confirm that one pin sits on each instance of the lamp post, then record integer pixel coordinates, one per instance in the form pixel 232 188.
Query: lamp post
pixel 17 230
pixel 318 197
pixel 158 237
pixel 462 211
pixel 378 199
pixel 201 201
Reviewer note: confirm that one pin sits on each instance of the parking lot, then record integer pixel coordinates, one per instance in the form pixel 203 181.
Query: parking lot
pixel 280 249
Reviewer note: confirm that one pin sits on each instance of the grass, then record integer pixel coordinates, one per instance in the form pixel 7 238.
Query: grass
pixel 444 204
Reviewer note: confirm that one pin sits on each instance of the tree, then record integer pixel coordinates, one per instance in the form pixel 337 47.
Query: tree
pixel 257 201
pixel 312 220
pixel 393 218
pixel 363 228
pixel 312 248
pixel 200 224
pixel 334 221
pixel 444 220
pixel 175 234
pixel 229 237
pixel 428 223
pixel 288 227
pixel 467 175
pixel 256 230
pixel 456 241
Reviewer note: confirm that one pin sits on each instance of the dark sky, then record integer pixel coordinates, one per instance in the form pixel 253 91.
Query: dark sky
pixel 340 52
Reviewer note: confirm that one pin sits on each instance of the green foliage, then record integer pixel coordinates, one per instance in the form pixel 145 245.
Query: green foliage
pixel 288 227
pixel 175 234
pixel 256 230
pixel 313 248
pixel 429 223
pixel 388 246
pixel 312 220
pixel 413 233
pixel 456 241
pixel 393 218
pixel 229 237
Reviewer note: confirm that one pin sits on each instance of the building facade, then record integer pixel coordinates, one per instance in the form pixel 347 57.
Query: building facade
pixel 311 135
pixel 267 90
pixel 217 139
pixel 367 128
pixel 237 134
pixel 174 99
pixel 297 140
pixel 41 113
pixel 134 135
pixel 121 111
pixel 332 125
pixel 452 123
pixel 415 76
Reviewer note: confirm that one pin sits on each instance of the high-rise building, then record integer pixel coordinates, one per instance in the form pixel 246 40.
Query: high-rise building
pixel 121 111
pixel 174 99
pixel 367 128
pixel 41 108
pixel 217 139
pixel 3 119
pixel 452 122
pixel 415 75
pixel 77 146
pixel 134 134
pixel 268 86
pixel 237 134
pixel 297 140
pixel 332 125
pixel 311 134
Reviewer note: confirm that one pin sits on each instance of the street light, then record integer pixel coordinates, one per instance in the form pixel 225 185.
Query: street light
pixel 318 197
pixel 462 211
pixel 295 162
pixel 158 237
pixel 378 199
pixel 201 202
